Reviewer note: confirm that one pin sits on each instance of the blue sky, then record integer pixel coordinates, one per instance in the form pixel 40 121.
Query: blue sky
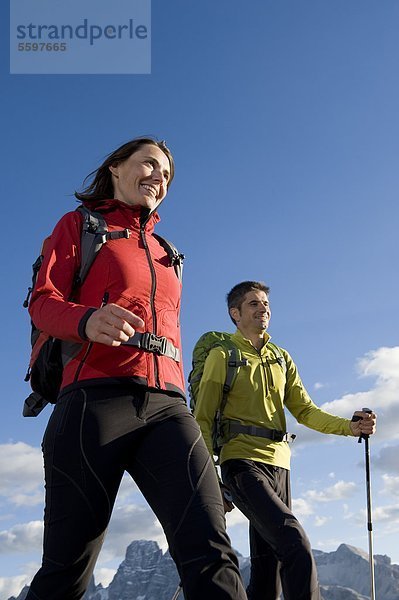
pixel 282 117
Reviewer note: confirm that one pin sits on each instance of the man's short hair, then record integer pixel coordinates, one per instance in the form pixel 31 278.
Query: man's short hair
pixel 236 295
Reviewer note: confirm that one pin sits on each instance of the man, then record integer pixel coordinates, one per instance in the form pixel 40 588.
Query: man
pixel 255 458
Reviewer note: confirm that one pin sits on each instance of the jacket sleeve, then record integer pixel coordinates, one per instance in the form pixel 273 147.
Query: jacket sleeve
pixel 300 405
pixel 210 393
pixel 50 308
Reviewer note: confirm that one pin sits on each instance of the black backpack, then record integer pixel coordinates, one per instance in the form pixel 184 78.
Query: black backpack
pixel 46 365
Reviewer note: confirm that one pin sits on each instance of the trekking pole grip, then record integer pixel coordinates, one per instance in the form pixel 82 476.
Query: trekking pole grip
pixel 363 436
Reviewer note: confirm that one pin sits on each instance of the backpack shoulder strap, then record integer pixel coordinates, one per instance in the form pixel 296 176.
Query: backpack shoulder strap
pixel 175 257
pixel 94 235
pixel 234 362
pixel 94 230
pixel 278 354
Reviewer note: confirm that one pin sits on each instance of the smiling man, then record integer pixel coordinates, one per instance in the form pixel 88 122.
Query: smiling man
pixel 255 457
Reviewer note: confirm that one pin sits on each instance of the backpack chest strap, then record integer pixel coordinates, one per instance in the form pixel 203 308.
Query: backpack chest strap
pixel 154 343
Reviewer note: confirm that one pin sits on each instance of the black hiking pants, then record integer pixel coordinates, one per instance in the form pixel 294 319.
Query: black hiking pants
pixel 94 435
pixel 281 556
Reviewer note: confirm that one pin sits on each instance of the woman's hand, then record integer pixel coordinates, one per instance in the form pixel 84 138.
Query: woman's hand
pixel 111 325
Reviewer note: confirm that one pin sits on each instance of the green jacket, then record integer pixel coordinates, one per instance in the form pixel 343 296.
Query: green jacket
pixel 258 397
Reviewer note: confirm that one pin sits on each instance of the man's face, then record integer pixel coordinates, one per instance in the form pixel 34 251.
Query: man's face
pixel 142 179
pixel 254 314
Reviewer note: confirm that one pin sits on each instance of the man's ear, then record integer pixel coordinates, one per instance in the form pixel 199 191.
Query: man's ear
pixel 234 314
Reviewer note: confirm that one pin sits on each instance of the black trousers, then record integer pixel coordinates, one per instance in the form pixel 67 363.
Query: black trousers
pixel 94 435
pixel 281 556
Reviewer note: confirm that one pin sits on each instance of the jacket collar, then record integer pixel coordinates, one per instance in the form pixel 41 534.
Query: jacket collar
pixel 246 342
pixel 132 216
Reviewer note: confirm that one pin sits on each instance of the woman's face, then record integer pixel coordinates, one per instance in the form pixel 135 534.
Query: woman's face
pixel 142 179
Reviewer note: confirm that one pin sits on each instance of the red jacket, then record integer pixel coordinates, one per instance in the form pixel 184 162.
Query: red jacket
pixel 125 273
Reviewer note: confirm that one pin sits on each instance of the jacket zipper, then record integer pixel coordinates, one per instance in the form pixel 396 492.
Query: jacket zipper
pixel 270 371
pixel 90 345
pixel 265 372
pixel 152 298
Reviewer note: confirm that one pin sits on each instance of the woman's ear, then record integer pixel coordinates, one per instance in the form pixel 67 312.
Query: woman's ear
pixel 114 170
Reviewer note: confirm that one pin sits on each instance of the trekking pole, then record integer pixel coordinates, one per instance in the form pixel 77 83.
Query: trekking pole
pixel 368 492
pixel 177 592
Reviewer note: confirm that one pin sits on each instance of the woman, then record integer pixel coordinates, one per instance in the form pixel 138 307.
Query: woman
pixel 121 406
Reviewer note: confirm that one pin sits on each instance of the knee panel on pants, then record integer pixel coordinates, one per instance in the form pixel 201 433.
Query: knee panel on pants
pixel 293 540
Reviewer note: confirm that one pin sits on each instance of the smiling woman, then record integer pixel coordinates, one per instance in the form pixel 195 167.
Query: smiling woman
pixel 102 185
pixel 122 405
pixel 142 179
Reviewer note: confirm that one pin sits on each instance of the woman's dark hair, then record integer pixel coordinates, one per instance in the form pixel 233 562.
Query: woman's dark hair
pixel 101 187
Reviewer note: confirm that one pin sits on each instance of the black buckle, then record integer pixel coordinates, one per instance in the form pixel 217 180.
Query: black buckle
pixel 154 343
pixel 278 436
pixel 177 259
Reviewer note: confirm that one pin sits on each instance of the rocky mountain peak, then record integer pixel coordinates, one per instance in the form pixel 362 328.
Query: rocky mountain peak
pixel 147 573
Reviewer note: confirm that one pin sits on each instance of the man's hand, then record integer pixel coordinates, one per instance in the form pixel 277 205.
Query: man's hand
pixel 227 499
pixel 363 423
pixel 111 325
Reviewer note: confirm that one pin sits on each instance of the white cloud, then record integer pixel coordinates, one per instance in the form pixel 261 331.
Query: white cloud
pixel 391 485
pixel 127 490
pixel 329 545
pixel 348 514
pixel 21 537
pixel 237 528
pixel 235 517
pixel 385 522
pixel 341 489
pixel 21 474
pixel 22 499
pixel 301 508
pixel 320 521
pixel 11 586
pixel 318 385
pixel 382 397
pixel 382 363
pixel 128 523
pixel 6 517
pixel 388 515
pixel 104 576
